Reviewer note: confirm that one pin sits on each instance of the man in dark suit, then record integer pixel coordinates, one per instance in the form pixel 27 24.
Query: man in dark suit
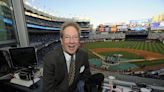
pixel 60 74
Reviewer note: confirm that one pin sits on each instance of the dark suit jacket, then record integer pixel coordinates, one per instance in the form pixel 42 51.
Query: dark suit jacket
pixel 55 75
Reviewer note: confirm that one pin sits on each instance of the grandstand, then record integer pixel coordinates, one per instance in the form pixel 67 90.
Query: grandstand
pixel 156 36
pixel 143 29
pixel 111 36
pixel 39 23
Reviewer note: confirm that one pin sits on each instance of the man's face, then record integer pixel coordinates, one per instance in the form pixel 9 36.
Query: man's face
pixel 70 40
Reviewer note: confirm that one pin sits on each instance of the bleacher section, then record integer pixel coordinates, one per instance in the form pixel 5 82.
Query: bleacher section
pixel 40 22
pixel 127 36
pixel 116 36
pixel 156 36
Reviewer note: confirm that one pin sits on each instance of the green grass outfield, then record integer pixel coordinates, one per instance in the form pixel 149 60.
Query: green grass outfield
pixel 138 45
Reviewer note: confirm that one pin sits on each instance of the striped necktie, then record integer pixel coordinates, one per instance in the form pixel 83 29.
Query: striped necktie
pixel 71 70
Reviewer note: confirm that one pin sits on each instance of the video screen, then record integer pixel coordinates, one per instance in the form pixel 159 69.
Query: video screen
pixel 23 57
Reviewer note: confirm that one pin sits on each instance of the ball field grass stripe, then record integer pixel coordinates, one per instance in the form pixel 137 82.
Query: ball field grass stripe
pixel 161 45
pixel 139 45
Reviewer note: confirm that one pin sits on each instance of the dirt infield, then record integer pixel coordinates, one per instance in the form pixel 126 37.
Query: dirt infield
pixel 146 54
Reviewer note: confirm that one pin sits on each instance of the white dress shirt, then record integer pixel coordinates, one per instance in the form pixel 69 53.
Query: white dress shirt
pixel 68 59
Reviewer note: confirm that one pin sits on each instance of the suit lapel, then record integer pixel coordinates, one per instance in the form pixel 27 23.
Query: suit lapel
pixel 63 61
pixel 77 61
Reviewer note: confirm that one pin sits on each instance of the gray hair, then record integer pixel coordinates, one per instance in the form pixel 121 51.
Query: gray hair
pixel 67 24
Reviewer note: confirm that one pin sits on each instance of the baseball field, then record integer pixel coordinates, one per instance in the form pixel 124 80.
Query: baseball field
pixel 135 55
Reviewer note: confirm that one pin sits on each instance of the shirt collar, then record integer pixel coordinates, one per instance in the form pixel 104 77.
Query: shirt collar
pixel 68 56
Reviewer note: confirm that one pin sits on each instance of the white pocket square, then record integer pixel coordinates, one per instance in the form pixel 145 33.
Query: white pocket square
pixel 82 69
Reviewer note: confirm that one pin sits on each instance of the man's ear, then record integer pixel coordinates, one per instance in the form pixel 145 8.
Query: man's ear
pixel 79 44
pixel 61 41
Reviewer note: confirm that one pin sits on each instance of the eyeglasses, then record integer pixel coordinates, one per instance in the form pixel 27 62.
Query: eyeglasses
pixel 71 37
